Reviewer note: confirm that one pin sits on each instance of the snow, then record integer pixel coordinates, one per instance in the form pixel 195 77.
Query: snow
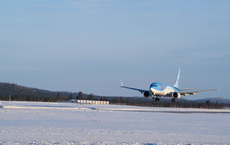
pixel 67 123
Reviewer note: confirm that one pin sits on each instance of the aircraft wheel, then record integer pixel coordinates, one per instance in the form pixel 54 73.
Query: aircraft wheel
pixel 173 100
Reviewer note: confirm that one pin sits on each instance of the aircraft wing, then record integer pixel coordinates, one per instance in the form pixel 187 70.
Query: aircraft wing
pixel 186 89
pixel 186 93
pixel 140 90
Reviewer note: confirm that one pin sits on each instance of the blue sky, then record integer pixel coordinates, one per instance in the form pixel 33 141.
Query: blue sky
pixel 90 45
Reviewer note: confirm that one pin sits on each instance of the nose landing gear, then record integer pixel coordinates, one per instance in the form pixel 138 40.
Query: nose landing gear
pixel 157 99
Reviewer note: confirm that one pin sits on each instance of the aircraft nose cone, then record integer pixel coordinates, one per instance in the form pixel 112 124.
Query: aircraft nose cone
pixel 153 91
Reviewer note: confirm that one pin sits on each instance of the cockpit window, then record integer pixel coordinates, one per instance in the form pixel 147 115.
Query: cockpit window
pixel 153 85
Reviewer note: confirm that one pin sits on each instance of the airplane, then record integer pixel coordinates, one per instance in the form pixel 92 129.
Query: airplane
pixel 161 90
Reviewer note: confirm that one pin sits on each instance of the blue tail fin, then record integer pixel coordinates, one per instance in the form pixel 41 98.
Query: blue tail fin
pixel 177 80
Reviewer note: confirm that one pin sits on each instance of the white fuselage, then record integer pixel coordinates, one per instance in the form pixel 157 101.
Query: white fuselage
pixel 158 89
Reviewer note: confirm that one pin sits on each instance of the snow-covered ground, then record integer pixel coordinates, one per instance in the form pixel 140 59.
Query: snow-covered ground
pixel 67 123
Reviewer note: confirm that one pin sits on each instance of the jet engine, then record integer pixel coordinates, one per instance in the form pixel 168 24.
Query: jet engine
pixel 147 94
pixel 176 95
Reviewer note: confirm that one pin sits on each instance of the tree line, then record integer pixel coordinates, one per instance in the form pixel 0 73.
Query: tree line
pixel 58 98
pixel 116 100
pixel 206 105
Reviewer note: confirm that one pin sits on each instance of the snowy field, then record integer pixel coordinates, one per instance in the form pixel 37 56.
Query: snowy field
pixel 66 123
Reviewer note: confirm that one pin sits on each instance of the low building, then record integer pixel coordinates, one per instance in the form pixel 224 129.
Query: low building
pixel 88 101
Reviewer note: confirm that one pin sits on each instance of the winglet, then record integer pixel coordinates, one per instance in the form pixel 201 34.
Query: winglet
pixel 218 89
pixel 122 84
pixel 177 80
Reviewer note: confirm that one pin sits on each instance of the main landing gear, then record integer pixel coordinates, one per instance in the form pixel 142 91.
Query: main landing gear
pixel 173 100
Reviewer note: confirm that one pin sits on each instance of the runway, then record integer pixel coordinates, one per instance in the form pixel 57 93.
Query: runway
pixel 71 106
pixel 168 110
pixel 71 123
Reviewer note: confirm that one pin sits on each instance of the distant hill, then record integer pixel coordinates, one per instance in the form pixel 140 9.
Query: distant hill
pixel 7 89
pixel 214 100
